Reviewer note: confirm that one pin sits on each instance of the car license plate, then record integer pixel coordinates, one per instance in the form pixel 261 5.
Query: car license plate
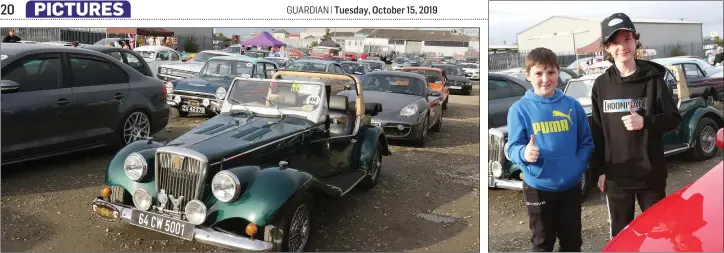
pixel 455 87
pixel 163 224
pixel 196 109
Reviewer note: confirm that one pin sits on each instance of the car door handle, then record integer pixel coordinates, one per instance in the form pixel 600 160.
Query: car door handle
pixel 119 96
pixel 63 101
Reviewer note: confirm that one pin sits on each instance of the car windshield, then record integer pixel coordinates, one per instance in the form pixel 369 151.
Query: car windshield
pixel 286 95
pixel 450 70
pixel 431 75
pixel 233 49
pixel 376 65
pixel 256 54
pixel 580 89
pixel 320 50
pixel 393 84
pixel 469 66
pixel 400 60
pixel 147 54
pixel 307 66
pixel 353 68
pixel 226 68
pixel 203 57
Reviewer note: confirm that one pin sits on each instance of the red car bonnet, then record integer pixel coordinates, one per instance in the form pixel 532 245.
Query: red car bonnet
pixel 688 220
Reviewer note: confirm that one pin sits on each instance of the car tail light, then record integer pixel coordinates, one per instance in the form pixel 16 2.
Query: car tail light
pixel 165 92
pixel 720 138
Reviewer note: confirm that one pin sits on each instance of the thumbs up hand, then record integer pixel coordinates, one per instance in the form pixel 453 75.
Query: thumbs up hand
pixel 531 151
pixel 634 121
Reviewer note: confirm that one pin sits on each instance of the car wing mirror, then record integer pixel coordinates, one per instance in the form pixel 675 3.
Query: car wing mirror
pixel 373 109
pixel 9 86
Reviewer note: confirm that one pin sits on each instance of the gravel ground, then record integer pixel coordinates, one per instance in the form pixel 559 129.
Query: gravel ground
pixel 508 220
pixel 428 199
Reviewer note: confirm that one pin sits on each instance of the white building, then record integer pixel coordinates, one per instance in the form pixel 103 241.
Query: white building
pixel 555 33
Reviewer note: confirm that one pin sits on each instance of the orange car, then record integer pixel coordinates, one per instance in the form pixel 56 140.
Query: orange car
pixel 436 78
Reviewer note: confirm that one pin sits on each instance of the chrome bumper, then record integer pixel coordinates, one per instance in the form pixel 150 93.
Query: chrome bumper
pixel 205 235
pixel 504 183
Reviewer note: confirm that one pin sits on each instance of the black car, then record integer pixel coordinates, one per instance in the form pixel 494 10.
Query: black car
pixel 310 65
pixel 58 100
pixel 503 92
pixel 457 82
pixel 128 57
pixel 409 107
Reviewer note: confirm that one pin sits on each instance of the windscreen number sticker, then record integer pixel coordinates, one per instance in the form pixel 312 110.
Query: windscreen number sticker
pixel 312 100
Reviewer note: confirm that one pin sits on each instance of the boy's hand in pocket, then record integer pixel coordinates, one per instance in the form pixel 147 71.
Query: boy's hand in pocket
pixel 531 151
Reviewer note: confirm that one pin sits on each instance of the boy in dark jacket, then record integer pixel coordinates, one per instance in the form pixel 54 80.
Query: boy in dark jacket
pixel 550 138
pixel 632 109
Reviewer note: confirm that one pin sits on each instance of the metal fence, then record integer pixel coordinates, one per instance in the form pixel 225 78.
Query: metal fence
pixel 82 35
pixel 505 60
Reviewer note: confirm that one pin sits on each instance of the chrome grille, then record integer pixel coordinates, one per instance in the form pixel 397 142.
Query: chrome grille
pixel 180 178
pixel 194 94
pixel 495 148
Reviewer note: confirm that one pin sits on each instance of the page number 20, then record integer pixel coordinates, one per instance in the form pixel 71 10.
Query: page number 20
pixel 7 9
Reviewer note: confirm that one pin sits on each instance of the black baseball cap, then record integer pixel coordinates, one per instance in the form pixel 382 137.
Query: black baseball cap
pixel 615 23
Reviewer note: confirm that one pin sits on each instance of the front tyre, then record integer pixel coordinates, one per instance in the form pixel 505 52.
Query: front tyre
pixel 293 227
pixel 370 181
pixel 705 136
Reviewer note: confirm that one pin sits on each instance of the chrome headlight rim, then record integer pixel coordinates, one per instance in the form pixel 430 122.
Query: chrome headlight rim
pixel 413 109
pixel 200 205
pixel 236 187
pixel 496 168
pixel 144 169
pixel 137 193
pixel 163 70
pixel 222 91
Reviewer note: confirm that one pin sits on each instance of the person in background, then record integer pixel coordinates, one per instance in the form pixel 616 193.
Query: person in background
pixel 11 37
pixel 363 56
pixel 719 58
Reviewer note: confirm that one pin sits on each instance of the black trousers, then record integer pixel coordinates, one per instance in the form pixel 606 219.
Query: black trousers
pixel 554 215
pixel 622 204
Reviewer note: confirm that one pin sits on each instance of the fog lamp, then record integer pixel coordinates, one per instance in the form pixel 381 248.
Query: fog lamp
pixel 251 229
pixel 106 192
pixel 141 199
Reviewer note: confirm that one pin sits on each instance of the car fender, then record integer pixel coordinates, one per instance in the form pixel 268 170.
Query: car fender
pixel 264 192
pixel 708 111
pixel 369 138
pixel 116 176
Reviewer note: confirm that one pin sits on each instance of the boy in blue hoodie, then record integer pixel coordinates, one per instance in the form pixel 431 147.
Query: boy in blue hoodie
pixel 550 139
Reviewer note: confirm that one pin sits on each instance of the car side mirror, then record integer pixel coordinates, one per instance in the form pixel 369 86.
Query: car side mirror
pixel 9 86
pixel 373 109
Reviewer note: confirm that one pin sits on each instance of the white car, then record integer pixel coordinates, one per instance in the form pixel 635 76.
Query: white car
pixel 156 56
pixel 693 67
pixel 183 70
pixel 472 70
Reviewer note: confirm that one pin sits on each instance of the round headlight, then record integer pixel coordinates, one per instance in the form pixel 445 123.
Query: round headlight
pixel 169 87
pixel 141 199
pixel 177 99
pixel 225 186
pixel 163 70
pixel 195 212
pixel 409 110
pixel 135 166
pixel 496 168
pixel 220 93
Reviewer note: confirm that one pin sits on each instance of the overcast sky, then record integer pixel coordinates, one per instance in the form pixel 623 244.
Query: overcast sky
pixel 507 19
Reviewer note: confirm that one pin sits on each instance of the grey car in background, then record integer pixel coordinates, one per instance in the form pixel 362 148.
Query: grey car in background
pixel 410 108
pixel 58 100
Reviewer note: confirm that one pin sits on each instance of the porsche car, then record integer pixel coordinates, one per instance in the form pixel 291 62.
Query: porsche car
pixel 246 179
pixel 410 108
pixel 436 78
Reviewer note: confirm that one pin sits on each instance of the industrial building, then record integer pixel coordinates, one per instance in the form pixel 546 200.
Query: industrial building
pixel 558 33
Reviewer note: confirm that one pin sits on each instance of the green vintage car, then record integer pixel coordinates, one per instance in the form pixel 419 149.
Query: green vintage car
pixel 245 179
pixel 695 134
